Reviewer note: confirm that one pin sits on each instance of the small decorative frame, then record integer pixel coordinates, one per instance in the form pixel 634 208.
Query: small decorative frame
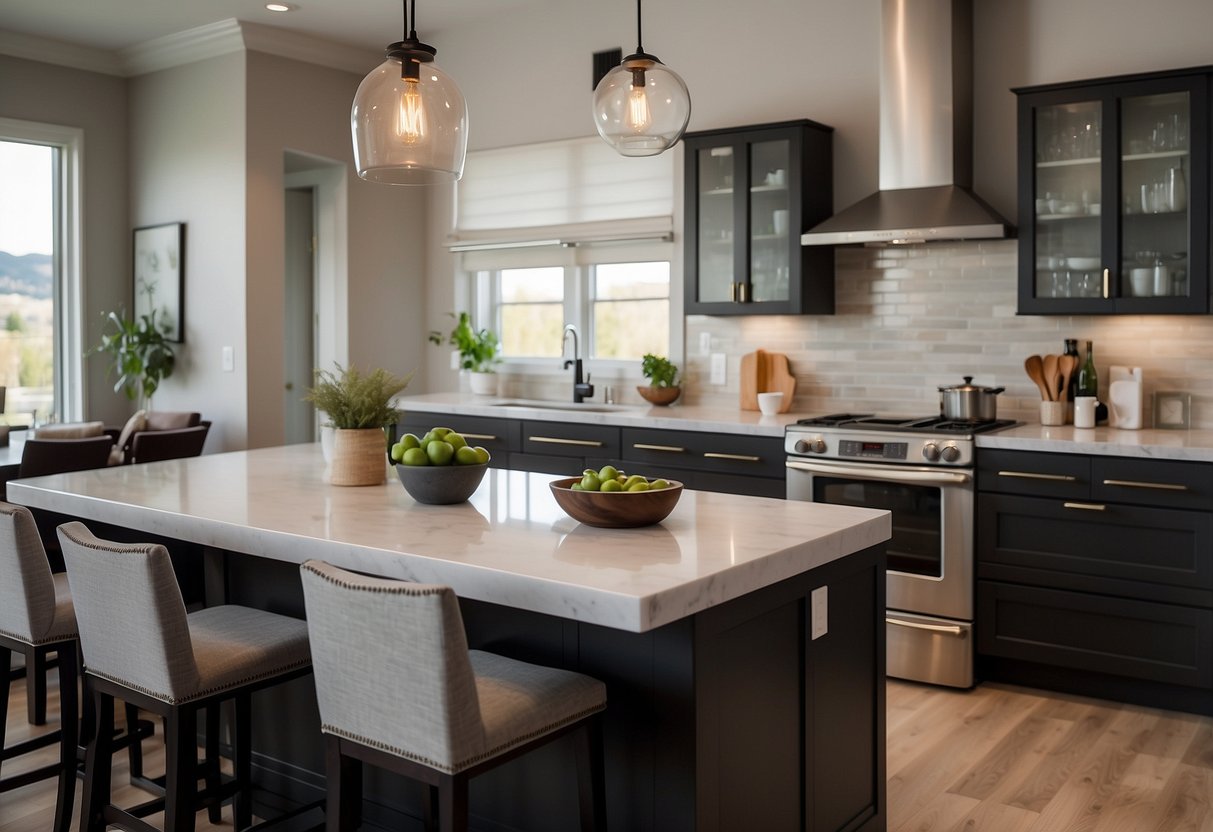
pixel 1172 410
pixel 159 263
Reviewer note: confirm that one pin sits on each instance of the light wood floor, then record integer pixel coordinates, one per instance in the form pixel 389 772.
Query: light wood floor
pixel 994 759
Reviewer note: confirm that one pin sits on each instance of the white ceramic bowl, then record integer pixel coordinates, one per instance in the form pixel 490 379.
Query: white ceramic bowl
pixel 769 403
pixel 1083 263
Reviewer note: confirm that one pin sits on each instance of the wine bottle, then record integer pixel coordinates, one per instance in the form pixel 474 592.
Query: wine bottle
pixel 1072 349
pixel 1088 378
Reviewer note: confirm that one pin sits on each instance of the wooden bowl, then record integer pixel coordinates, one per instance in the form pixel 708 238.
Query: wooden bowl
pixel 616 509
pixel 660 396
pixel 440 485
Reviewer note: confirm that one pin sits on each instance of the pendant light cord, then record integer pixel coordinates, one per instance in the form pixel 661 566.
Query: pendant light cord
pixel 639 39
pixel 410 32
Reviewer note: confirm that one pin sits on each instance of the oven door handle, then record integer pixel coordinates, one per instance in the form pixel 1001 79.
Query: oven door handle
pixel 883 474
pixel 949 629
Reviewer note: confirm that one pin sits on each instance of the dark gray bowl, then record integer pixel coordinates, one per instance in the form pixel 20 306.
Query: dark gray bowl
pixel 440 485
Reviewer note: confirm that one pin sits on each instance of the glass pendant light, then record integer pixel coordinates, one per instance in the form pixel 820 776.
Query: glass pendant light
pixel 409 119
pixel 641 107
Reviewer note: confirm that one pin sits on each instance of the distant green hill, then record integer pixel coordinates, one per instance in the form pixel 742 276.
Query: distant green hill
pixel 27 274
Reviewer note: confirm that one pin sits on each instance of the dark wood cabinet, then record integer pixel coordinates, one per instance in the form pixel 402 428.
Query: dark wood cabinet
pixel 750 193
pixel 1114 195
pixel 704 461
pixel 1095 575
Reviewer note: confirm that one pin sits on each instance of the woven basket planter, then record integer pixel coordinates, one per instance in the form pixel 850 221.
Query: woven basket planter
pixel 359 457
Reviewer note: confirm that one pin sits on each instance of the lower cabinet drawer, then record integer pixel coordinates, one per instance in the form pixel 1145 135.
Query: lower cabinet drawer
pixel 1138 639
pixel 722 453
pixel 565 439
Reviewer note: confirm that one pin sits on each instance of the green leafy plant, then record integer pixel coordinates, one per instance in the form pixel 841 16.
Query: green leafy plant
pixel 477 348
pixel 353 399
pixel 659 371
pixel 140 355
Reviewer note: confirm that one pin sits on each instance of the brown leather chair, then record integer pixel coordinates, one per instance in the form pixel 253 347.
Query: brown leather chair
pixel 55 456
pixel 155 445
pixel 156 421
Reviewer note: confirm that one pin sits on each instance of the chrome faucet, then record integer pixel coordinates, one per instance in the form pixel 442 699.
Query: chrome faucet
pixel 581 389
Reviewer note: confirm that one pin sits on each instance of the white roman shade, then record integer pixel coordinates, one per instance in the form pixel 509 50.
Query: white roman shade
pixel 564 193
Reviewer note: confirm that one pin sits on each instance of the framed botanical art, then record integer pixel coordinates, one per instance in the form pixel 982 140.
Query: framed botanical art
pixel 159 261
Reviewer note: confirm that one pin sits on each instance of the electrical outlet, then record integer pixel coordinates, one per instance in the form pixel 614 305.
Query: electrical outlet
pixel 718 375
pixel 705 342
pixel 819 602
pixel 229 359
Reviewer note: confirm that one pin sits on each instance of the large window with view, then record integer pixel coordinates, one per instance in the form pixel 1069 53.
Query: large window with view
pixel 630 305
pixel 27 280
pixel 530 311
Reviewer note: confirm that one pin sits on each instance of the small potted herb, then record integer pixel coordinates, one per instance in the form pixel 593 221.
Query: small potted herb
pixel 359 405
pixel 663 386
pixel 478 353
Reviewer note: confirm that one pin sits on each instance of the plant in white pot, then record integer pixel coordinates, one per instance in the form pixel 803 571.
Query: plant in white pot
pixel 359 405
pixel 478 353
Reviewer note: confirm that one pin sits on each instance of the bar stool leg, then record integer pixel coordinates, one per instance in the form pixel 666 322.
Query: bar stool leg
pixel 97 761
pixel 214 812
pixel 242 762
pixel 134 751
pixel 591 777
pixel 35 686
pixel 68 738
pixel 343 798
pixel 452 803
pixel 6 659
pixel 181 769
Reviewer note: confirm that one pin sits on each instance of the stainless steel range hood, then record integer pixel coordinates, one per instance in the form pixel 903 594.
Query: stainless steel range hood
pixel 926 135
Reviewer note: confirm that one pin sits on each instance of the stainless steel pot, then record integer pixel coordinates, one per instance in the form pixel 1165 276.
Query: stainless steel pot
pixel 969 402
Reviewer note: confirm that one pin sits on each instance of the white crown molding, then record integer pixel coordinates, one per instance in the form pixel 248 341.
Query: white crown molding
pixel 197 44
pixel 33 48
pixel 286 43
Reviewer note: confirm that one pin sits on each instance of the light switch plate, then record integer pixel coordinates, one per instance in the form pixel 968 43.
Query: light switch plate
pixel 705 342
pixel 819 602
pixel 718 373
pixel 229 360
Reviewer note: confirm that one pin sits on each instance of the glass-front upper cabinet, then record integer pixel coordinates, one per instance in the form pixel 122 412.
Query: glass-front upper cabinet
pixel 749 194
pixel 1114 196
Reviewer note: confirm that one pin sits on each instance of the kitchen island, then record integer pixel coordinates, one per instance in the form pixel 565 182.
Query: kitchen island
pixel 739 639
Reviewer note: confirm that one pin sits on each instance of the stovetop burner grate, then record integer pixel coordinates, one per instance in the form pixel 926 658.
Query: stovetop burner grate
pixel 928 424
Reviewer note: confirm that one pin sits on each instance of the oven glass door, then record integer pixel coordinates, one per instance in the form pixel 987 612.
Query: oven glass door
pixel 917 545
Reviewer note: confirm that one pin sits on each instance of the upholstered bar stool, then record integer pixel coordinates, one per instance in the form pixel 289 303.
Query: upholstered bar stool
pixel 36 619
pixel 399 689
pixel 141 646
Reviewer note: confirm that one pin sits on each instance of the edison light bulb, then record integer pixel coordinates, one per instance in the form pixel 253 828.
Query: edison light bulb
pixel 411 123
pixel 638 117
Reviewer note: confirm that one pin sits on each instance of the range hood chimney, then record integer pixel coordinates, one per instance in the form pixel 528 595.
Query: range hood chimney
pixel 926 135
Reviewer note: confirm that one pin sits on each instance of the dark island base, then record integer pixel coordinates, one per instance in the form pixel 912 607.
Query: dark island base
pixel 732 719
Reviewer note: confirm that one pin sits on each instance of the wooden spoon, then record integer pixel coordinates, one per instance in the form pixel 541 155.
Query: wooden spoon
pixel 1066 364
pixel 1052 376
pixel 1035 369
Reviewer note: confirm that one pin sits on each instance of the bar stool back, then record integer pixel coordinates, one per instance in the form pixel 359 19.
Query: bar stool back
pixel 141 646
pixel 398 687
pixel 37 618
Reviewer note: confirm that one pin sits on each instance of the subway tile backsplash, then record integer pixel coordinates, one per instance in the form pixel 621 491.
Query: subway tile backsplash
pixel 911 319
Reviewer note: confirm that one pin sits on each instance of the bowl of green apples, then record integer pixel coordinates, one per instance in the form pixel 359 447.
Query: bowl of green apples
pixel 439 468
pixel 610 499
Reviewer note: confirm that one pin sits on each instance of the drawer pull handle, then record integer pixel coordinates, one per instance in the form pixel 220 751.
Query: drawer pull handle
pixel 735 457
pixel 552 440
pixel 1086 506
pixel 950 629
pixel 1161 486
pixel 487 437
pixel 1026 475
pixel 673 449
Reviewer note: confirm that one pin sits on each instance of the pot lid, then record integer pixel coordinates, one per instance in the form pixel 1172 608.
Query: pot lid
pixel 970 387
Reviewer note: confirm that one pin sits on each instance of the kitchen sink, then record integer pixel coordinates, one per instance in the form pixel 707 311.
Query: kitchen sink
pixel 575 406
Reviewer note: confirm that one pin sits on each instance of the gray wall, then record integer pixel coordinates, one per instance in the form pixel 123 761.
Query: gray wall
pixel 96 103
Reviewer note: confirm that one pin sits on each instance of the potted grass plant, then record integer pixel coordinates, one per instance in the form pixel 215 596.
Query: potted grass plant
pixel 359 406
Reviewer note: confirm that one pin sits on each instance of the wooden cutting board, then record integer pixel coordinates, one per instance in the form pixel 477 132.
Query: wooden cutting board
pixel 766 372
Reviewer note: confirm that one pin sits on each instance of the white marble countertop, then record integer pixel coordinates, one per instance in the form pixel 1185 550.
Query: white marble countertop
pixel 1104 441
pixel 675 417
pixel 510 544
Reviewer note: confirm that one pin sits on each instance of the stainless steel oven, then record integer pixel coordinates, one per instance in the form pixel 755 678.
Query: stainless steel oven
pixel 922 472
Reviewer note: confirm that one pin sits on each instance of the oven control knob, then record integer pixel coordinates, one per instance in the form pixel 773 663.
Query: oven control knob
pixel 950 454
pixel 930 452
pixel 815 446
